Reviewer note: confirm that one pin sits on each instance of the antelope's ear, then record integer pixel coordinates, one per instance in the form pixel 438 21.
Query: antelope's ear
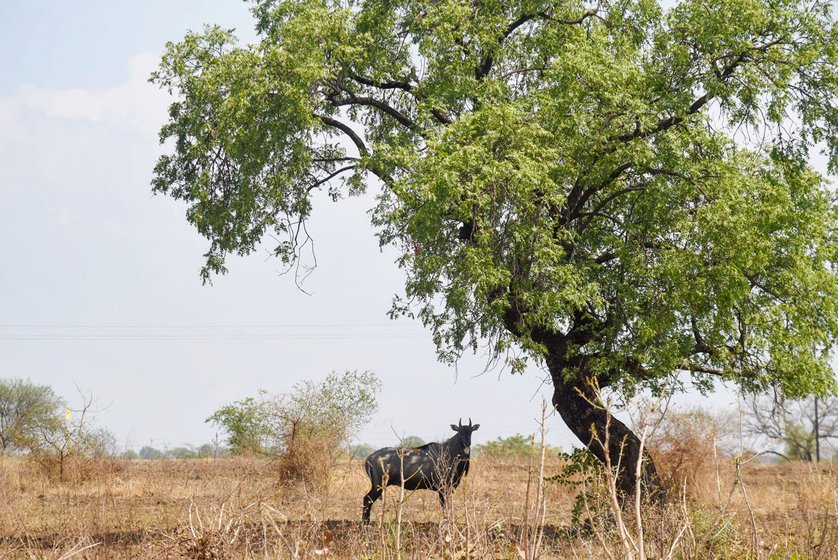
pixel 454 427
pixel 474 428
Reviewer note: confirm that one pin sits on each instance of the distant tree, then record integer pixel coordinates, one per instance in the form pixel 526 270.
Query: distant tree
pixel 129 455
pixel 27 411
pixel 306 427
pixel 687 440
pixel 182 452
pixel 101 442
pixel 247 424
pixel 511 447
pixel 211 450
pixel 412 441
pixel 148 452
pixel 788 425
pixel 360 450
pixel 71 435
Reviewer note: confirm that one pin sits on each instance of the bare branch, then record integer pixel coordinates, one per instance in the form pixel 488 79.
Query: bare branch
pixel 330 177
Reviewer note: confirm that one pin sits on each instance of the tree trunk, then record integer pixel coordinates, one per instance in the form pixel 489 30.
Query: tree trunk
pixel 578 404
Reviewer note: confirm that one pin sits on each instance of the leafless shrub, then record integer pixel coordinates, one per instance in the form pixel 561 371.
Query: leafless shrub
pixel 803 429
pixel 70 449
pixel 685 443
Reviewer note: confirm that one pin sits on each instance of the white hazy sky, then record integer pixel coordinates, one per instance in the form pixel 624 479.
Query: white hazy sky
pixel 99 286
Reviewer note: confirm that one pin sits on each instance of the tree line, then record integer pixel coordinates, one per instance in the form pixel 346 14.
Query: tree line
pixel 315 424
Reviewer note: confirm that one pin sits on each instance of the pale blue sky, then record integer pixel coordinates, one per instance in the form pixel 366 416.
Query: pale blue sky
pixel 99 281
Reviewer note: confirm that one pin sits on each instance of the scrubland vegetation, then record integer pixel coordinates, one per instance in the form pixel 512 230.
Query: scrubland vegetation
pixel 247 507
pixel 287 484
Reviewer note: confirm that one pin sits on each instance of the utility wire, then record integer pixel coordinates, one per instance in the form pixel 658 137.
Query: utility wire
pixel 198 332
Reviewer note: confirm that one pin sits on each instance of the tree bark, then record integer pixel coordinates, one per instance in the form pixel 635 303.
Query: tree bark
pixel 577 401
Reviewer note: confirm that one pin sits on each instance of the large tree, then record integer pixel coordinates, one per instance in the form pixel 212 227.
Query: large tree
pixel 617 191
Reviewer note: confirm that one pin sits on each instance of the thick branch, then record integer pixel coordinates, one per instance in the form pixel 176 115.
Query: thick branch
pixel 353 99
pixel 579 197
pixel 692 367
pixel 346 129
pixel 394 84
pixel 489 61
pixel 406 87
pixel 606 257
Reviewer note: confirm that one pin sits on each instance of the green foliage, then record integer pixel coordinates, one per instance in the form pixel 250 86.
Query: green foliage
pixel 360 450
pixel 412 441
pixel 34 420
pixel 582 470
pixel 27 411
pixel 512 447
pixel 799 443
pixel 148 452
pixel 247 424
pixel 334 408
pixel 623 189
pixel 716 534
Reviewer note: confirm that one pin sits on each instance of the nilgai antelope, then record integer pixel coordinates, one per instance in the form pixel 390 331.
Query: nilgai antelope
pixel 434 466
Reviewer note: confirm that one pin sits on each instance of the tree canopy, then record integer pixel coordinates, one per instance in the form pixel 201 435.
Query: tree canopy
pixel 618 190
pixel 27 411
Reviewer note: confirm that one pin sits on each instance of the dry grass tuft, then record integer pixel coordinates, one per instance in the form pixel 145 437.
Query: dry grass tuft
pixel 309 457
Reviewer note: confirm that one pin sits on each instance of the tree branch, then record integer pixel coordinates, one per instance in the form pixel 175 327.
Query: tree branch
pixel 606 257
pixel 346 129
pixel 696 105
pixel 353 99
pixel 692 367
pixel 488 61
pixel 329 177
pixel 393 84
pixel 404 86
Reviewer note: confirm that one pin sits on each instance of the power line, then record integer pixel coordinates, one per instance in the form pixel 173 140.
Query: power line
pixel 201 326
pixel 165 338
pixel 204 332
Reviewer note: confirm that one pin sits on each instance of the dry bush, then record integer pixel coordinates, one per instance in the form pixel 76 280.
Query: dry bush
pixel 76 468
pixel 312 424
pixel 310 454
pixel 685 445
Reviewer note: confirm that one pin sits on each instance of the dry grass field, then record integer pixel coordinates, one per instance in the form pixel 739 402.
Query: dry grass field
pixel 236 508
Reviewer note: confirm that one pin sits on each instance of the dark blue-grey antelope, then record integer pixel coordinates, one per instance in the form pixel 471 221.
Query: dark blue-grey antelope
pixel 434 466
